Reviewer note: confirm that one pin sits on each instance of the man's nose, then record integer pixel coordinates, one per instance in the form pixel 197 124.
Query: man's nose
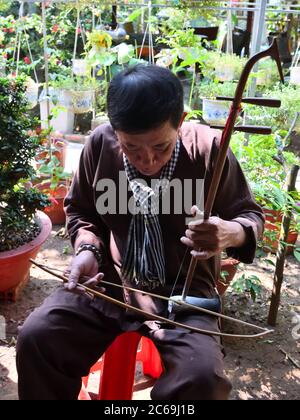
pixel 147 158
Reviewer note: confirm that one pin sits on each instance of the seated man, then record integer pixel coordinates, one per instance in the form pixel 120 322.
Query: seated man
pixel 128 209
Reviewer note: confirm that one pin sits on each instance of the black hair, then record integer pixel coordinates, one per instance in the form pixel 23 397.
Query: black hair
pixel 144 97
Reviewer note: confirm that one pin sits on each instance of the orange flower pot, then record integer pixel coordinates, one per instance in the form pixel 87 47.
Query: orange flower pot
pixel 15 264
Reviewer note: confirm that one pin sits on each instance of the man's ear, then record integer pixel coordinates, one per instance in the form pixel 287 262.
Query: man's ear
pixel 182 119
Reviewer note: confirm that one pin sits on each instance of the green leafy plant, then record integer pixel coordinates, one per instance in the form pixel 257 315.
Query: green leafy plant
pixel 247 284
pixel 79 84
pixel 214 89
pixel 18 146
pixel 280 118
pixel 53 173
pixel 267 75
pixel 216 61
pixel 266 165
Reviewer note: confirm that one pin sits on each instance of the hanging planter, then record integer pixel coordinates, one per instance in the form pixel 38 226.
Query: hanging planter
pixel 79 102
pixel 32 92
pixel 80 67
pixel 215 112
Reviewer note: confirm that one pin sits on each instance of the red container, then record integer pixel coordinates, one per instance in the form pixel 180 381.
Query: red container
pixel 15 264
pixel 273 224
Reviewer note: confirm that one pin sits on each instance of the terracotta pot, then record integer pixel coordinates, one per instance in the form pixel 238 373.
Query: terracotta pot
pixel 273 224
pixel 15 264
pixel 56 210
pixel 145 52
pixel 228 266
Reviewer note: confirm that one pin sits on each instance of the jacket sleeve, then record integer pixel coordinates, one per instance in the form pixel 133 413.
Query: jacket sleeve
pixel 84 223
pixel 235 202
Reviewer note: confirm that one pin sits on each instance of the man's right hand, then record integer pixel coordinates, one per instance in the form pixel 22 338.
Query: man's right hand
pixel 83 269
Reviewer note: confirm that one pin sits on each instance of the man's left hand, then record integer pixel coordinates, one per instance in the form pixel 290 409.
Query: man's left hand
pixel 212 236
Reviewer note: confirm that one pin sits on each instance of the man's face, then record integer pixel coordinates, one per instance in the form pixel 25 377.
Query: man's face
pixel 150 151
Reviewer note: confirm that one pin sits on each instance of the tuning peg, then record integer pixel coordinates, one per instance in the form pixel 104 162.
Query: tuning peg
pixel 269 102
pixel 251 129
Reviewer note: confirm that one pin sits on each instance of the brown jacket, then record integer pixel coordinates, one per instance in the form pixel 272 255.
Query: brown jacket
pixel 102 158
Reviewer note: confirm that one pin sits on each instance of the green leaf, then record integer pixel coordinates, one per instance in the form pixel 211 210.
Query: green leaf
pixel 136 14
pixel 297 254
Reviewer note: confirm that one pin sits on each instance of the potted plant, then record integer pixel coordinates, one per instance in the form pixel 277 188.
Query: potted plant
pixel 215 111
pixel 58 146
pixel 266 164
pixel 228 270
pixel 280 118
pixel 267 74
pixel 106 61
pixel 77 94
pixel 223 67
pixel 54 182
pixel 22 229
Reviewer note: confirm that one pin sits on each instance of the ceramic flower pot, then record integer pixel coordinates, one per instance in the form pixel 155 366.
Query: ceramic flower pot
pixel 80 102
pixel 215 112
pixel 15 264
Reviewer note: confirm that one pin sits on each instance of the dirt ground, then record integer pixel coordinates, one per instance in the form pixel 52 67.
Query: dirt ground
pixel 266 368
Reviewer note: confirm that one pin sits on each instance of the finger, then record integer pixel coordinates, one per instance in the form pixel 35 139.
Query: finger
pixel 201 255
pixel 94 280
pixel 188 242
pixel 198 216
pixel 79 290
pixel 193 235
pixel 195 210
pixel 73 278
pixel 203 225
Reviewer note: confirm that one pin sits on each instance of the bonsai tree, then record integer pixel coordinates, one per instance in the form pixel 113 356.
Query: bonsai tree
pixel 18 145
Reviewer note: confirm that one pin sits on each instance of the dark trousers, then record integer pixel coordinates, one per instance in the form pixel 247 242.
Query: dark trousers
pixel 62 339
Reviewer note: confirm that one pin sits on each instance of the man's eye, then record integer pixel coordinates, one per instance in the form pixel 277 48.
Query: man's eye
pixel 162 148
pixel 131 148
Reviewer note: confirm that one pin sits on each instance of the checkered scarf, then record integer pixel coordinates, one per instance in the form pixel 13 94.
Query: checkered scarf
pixel 144 261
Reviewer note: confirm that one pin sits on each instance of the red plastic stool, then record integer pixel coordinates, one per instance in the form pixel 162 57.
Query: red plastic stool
pixel 117 367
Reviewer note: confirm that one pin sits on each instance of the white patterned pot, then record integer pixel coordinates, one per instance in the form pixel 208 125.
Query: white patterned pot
pixel 79 102
pixel 215 112
pixel 79 67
